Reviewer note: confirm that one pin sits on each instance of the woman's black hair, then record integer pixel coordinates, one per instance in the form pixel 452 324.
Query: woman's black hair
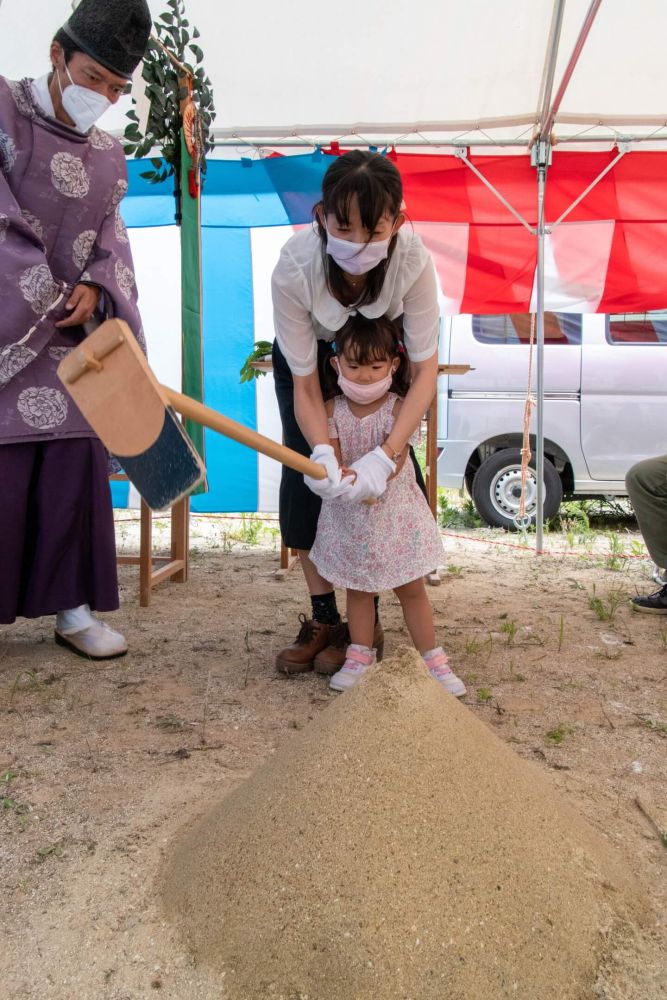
pixel 367 340
pixel 378 188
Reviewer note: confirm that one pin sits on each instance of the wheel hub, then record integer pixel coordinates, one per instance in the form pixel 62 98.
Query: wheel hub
pixel 506 491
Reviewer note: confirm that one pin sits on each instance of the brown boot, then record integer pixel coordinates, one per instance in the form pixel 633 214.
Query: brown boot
pixel 312 638
pixel 332 658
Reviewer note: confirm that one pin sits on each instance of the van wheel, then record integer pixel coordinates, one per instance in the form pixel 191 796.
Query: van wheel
pixel 496 489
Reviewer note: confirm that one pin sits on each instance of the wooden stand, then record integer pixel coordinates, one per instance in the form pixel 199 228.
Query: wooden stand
pixel 288 559
pixel 175 565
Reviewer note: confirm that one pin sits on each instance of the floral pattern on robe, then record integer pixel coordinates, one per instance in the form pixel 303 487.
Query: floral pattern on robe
pixel 59 225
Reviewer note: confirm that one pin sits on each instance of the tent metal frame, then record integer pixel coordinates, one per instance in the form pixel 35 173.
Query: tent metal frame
pixel 598 129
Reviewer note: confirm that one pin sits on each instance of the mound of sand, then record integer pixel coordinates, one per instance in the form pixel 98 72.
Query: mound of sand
pixel 397 849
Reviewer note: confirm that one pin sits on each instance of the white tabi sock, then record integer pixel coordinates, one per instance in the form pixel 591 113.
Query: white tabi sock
pixel 73 620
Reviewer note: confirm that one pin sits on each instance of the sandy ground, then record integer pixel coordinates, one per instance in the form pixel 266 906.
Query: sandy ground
pixel 101 766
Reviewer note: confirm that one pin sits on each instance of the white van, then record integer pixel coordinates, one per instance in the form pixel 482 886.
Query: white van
pixel 605 379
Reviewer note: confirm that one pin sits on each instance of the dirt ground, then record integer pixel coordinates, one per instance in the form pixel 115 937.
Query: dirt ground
pixel 102 764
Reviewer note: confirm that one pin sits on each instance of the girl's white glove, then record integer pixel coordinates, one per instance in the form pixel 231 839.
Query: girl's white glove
pixel 373 470
pixel 333 486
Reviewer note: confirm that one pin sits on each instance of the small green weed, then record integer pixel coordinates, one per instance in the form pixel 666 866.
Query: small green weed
pixel 557 735
pixel 52 851
pixel 250 530
pixel 615 561
pixel 515 675
pixel 453 515
pixel 27 680
pixel 10 804
pixel 7 802
pixel 655 726
pixel 605 610
pixel 510 628
pixel 473 646
pixel 170 723
pixel 455 570
pixel 484 695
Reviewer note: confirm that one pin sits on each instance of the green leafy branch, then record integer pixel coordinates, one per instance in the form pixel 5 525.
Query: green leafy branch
pixel 248 372
pixel 171 55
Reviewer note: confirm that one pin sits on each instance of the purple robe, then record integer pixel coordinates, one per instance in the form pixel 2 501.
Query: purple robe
pixel 60 225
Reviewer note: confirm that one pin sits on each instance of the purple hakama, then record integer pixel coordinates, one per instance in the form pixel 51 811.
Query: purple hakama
pixel 56 529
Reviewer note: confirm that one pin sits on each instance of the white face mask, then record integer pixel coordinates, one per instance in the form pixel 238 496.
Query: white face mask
pixel 83 105
pixel 367 392
pixel 357 258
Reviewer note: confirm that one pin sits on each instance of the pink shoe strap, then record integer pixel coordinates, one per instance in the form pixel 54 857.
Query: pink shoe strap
pixel 355 658
pixel 438 664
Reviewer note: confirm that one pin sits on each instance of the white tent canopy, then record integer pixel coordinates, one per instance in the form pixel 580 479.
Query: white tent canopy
pixel 399 69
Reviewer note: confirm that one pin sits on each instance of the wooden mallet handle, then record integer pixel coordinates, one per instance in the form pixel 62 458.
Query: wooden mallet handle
pixel 202 414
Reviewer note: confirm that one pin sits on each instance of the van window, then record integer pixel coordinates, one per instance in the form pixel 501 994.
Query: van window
pixel 637 328
pixel 514 328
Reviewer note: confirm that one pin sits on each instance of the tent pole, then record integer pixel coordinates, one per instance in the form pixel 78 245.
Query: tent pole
pixel 541 154
pixel 549 117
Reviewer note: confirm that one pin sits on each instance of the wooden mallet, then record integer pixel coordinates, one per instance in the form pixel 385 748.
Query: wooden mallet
pixel 110 381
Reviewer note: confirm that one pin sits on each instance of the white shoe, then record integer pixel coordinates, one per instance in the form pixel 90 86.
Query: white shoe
pixel 95 642
pixel 440 670
pixel 358 660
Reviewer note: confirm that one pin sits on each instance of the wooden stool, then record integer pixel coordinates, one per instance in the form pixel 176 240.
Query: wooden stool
pixel 175 564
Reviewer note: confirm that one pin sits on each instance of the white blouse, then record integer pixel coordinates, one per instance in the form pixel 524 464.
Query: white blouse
pixel 304 311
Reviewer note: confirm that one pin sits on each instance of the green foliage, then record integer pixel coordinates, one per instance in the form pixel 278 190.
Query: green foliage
pixel 615 561
pixel 557 735
pixel 248 372
pixel 484 695
pixel 510 628
pixel 605 610
pixel 655 726
pixel 170 723
pixel 453 515
pixel 165 91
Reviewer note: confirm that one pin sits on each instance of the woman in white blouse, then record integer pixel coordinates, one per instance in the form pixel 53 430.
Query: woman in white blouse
pixel 357 257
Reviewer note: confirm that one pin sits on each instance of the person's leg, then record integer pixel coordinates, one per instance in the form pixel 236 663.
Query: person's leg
pixel 73 557
pixel 361 617
pixel 646 484
pixel 360 655
pixel 417 613
pixel 16 465
pixel 299 510
pixel 419 619
pixel 316 584
pixel 57 530
pixel 332 658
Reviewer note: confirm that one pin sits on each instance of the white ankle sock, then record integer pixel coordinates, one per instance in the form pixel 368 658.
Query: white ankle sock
pixel 74 619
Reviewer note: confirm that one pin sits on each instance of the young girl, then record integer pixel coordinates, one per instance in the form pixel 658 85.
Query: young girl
pixel 358 257
pixel 394 542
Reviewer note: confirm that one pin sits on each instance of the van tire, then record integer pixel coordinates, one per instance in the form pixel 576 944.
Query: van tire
pixel 496 489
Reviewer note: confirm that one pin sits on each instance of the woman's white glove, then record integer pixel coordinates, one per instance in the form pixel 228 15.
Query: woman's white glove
pixel 333 486
pixel 373 470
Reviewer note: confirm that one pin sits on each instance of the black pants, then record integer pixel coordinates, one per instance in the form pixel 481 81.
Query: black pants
pixel 299 508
